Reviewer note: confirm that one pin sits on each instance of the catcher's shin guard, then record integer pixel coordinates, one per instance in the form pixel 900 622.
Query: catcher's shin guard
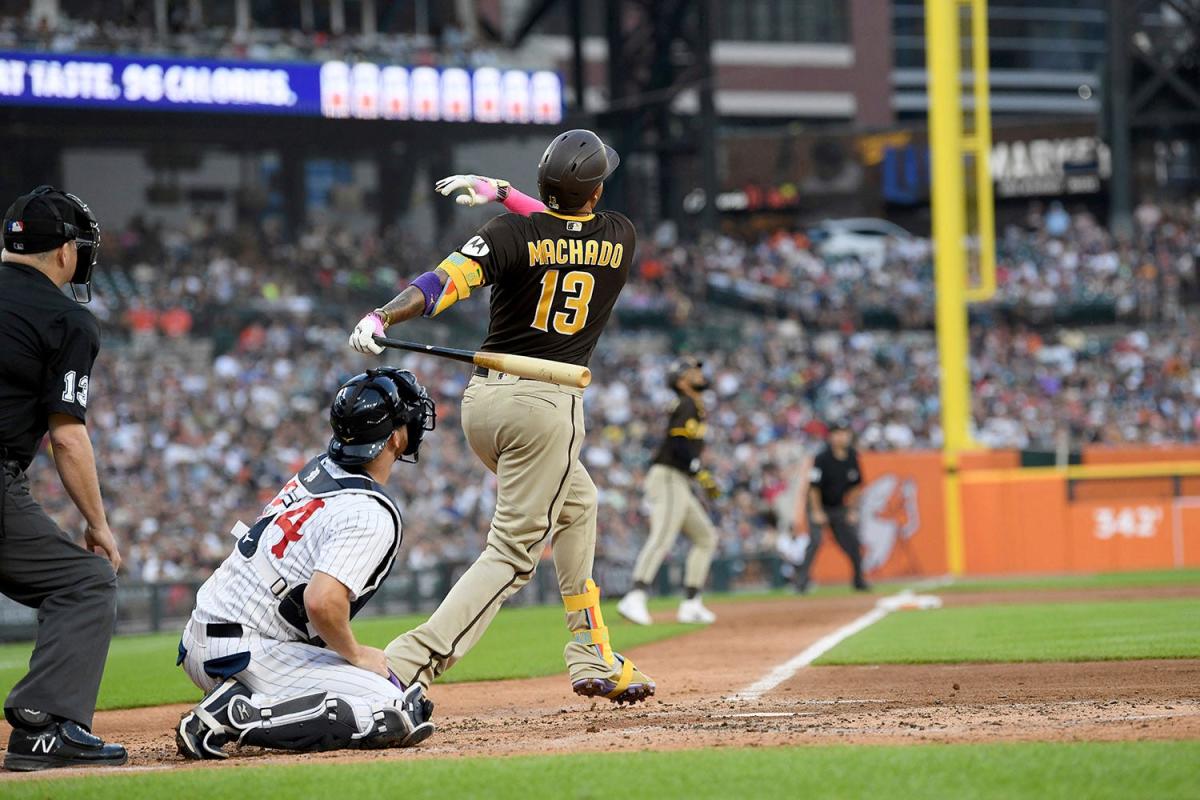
pixel 320 721
pixel 312 722
pixel 204 730
pixel 622 682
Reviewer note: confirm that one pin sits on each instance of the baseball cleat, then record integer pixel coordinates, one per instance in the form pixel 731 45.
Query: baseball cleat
pixel 196 741
pixel 631 686
pixel 406 726
pixel 61 744
pixel 203 731
pixel 391 731
pixel 633 608
pixel 693 612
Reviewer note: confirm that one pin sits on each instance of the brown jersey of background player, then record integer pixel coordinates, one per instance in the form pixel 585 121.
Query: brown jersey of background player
pixel 555 279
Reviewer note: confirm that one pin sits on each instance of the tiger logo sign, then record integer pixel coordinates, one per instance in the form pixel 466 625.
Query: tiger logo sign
pixel 889 516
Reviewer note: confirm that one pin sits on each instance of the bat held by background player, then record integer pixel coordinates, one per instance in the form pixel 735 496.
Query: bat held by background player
pixel 538 369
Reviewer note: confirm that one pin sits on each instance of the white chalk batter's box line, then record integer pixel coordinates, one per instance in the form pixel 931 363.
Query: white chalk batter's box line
pixel 786 670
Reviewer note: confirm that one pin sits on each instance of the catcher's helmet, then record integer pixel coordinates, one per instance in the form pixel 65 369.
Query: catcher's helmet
pixel 680 366
pixel 369 406
pixel 46 219
pixel 574 164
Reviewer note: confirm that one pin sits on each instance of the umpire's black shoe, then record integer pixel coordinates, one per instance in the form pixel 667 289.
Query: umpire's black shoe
pixel 61 744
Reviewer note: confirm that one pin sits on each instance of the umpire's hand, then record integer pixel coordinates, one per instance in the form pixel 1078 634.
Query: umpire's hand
pixel 100 540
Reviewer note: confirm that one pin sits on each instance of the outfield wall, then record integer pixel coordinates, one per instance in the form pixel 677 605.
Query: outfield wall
pixel 1029 520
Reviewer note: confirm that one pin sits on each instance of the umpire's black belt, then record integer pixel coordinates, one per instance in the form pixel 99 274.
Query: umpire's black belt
pixel 484 372
pixel 223 630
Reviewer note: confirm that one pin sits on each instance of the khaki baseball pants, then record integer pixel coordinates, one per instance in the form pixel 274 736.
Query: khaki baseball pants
pixel 674 507
pixel 529 434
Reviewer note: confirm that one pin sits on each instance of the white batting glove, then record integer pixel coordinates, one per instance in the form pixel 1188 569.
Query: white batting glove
pixel 477 190
pixel 363 338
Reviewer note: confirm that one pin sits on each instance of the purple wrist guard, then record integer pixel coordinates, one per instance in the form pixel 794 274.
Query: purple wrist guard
pixel 431 287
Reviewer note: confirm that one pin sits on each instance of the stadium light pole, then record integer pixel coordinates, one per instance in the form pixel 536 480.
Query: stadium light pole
pixel 950 263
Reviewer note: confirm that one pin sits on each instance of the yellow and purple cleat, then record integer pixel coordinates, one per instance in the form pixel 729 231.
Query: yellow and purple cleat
pixel 630 686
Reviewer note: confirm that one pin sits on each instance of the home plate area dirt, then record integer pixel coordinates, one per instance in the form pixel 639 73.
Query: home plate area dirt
pixel 700 673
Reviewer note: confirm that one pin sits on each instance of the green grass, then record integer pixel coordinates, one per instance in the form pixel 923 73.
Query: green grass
pixel 1103 580
pixel 521 643
pixel 1167 628
pixel 1047 771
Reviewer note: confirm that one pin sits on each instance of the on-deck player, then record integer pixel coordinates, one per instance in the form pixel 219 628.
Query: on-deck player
pixel 674 507
pixel 555 276
pixel 270 638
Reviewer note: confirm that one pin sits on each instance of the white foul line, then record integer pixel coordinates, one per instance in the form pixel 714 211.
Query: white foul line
pixel 826 643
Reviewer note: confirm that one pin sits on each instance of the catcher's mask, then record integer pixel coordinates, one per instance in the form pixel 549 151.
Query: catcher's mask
pixel 47 218
pixel 369 406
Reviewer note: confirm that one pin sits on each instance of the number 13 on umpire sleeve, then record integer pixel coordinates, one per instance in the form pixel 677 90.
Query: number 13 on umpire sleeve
pixel 577 289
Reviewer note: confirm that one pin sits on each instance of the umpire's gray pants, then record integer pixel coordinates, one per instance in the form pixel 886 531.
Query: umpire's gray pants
pixel 75 594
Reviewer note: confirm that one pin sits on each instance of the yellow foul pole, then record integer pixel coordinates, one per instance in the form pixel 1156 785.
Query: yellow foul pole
pixel 950 267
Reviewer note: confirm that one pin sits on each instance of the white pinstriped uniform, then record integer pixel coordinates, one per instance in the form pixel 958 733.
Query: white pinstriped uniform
pixel 348 534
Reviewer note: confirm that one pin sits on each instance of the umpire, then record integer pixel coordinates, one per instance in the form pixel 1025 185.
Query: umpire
pixel 834 486
pixel 48 343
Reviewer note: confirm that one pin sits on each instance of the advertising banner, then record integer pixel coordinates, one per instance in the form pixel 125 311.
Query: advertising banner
pixel 332 89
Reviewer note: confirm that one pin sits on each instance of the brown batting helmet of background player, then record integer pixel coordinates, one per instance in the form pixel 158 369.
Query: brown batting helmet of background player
pixel 574 164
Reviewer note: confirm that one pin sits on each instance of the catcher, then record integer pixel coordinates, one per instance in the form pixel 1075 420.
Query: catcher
pixel 270 638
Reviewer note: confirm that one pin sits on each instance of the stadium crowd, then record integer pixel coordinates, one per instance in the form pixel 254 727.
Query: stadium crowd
pixel 223 351
pixel 1053 261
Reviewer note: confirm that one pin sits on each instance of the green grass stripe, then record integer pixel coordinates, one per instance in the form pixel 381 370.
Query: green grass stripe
pixel 1168 628
pixel 521 643
pixel 1103 580
pixel 1047 771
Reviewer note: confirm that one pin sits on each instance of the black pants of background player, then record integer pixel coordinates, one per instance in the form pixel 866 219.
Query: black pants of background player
pixel 75 594
pixel 845 534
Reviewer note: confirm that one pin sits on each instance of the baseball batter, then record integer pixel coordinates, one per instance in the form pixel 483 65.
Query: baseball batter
pixel 270 638
pixel 555 276
pixel 674 507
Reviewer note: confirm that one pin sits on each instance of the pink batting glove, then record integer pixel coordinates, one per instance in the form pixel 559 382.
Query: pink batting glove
pixel 363 337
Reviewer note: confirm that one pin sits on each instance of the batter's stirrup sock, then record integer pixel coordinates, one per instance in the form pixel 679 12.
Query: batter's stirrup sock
pixel 641 586
pixel 596 633
pixel 690 592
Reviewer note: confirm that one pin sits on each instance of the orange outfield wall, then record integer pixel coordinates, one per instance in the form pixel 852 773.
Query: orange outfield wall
pixel 901 519
pixel 1022 521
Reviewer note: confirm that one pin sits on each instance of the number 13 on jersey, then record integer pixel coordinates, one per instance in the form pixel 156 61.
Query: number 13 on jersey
pixel 577 287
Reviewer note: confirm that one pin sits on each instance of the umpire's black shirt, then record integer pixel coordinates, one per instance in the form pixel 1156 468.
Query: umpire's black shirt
pixel 834 477
pixel 48 344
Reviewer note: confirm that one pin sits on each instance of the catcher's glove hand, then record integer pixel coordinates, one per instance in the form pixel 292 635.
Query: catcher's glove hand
pixel 477 190
pixel 708 484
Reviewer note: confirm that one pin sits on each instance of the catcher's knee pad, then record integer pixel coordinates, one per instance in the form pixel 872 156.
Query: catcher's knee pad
pixel 596 632
pixel 312 722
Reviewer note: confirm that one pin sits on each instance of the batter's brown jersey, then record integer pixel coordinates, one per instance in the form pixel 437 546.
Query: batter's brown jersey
pixel 555 279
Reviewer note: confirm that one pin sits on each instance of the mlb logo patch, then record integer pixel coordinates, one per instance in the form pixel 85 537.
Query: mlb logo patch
pixel 16 226
pixel 574 226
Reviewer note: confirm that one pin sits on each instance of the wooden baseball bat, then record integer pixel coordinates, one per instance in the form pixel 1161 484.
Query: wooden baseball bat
pixel 539 369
